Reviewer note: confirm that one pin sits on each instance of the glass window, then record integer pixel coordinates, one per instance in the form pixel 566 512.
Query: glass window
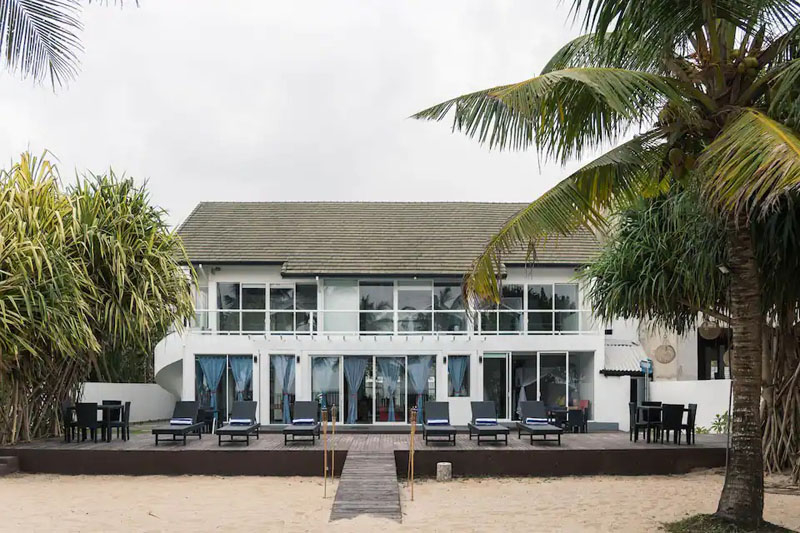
pixel 509 321
pixel 566 321
pixel 306 294
pixel 376 296
pixel 390 389
pixel 447 297
pixel 281 298
pixel 376 322
pixel 458 376
pixel 553 379
pixel 341 306
pixel 416 299
pixel 412 321
pixel 451 321
pixel 566 296
pixel 254 297
pixel 489 321
pixel 540 297
pixel 581 381
pixel 540 322
pixel 281 322
pixel 511 297
pixel 325 376
pixel 228 296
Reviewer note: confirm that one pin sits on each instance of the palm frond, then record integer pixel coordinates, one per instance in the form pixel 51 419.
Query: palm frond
pixel 584 51
pixel 785 100
pixel 563 112
pixel 605 184
pixel 39 38
pixel 752 164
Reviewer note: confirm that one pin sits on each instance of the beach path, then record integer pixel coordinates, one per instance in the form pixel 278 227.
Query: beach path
pixel 368 485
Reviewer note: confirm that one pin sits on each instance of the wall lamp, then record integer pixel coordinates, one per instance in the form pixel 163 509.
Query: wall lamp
pixel 298 359
pixel 480 359
pixel 444 359
pixel 255 359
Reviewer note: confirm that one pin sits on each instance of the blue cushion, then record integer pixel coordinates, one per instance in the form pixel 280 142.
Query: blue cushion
pixel 240 421
pixel 438 422
pixel 486 421
pixel 181 422
pixel 303 421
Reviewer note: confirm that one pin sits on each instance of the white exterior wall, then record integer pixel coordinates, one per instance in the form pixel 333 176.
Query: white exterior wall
pixel 179 351
pixel 149 401
pixel 711 396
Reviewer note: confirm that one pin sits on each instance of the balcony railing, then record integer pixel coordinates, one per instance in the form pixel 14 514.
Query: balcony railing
pixel 494 322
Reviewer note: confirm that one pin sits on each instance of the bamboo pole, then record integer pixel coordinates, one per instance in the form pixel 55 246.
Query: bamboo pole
pixel 325 453
pixel 411 451
pixel 333 441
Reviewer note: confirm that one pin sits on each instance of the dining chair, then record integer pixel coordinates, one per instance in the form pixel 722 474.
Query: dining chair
pixel 87 420
pixel 671 420
pixel 69 424
pixel 123 424
pixel 635 425
pixel 689 426
pixel 110 417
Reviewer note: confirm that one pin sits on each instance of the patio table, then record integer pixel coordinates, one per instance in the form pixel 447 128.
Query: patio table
pixel 653 409
pixel 106 409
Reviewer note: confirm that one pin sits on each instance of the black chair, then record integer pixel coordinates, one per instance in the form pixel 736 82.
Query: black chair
pixel 636 425
pixel 534 421
pixel 123 425
pixel 558 416
pixel 652 417
pixel 69 424
pixel 242 423
pixel 87 420
pixel 437 423
pixel 671 420
pixel 576 421
pixel 691 418
pixel 206 416
pixel 110 416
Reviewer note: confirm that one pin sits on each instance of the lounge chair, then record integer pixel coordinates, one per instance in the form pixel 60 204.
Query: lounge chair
pixel 535 422
pixel 183 422
pixel 242 423
pixel 305 423
pixel 484 422
pixel 437 423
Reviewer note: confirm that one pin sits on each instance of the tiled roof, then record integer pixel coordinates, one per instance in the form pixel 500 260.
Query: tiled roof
pixel 379 238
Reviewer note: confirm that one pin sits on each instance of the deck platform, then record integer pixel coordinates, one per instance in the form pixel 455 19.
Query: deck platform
pixel 579 454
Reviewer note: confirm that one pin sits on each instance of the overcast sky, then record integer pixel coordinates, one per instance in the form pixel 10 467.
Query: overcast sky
pixel 293 100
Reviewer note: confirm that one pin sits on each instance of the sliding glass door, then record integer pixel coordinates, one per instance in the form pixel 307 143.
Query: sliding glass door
pixel 495 382
pixel 222 379
pixel 375 389
pixel 282 387
pixel 553 378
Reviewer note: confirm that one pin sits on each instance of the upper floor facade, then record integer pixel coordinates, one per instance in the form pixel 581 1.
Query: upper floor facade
pixel 233 299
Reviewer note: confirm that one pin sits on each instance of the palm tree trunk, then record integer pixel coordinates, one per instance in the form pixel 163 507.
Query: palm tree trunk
pixel 742 498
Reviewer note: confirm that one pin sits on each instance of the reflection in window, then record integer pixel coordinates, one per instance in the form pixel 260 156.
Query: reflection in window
pixel 449 314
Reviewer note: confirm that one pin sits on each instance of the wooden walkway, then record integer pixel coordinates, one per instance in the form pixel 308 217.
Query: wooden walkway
pixel 368 485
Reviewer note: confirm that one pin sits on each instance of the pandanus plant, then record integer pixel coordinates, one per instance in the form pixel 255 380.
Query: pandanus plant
pixel 710 92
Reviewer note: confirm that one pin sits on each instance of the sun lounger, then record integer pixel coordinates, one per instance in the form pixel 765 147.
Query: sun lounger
pixel 305 423
pixel 241 424
pixel 484 422
pixel 437 423
pixel 183 422
pixel 534 421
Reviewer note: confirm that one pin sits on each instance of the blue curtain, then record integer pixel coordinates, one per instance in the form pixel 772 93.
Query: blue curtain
pixel 389 368
pixel 419 370
pixel 288 387
pixel 242 368
pixel 354 369
pixel 212 367
pixel 457 366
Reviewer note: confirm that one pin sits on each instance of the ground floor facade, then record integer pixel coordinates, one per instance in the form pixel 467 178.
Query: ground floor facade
pixel 377 380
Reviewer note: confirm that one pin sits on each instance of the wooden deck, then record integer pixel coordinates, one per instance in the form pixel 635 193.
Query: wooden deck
pixel 368 485
pixel 579 454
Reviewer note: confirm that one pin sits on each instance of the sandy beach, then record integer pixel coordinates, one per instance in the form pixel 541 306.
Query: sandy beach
pixel 199 503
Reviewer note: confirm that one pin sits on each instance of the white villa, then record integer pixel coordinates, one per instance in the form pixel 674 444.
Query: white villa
pixel 359 305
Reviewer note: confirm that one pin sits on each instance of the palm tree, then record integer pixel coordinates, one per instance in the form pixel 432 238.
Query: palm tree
pixel 40 38
pixel 717 80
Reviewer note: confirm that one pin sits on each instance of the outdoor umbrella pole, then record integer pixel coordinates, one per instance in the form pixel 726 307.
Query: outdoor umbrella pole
pixel 411 451
pixel 325 453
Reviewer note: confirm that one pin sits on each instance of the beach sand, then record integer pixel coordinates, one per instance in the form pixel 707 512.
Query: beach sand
pixel 203 503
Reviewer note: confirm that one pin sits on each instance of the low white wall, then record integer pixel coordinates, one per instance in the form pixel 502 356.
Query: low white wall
pixel 711 396
pixel 148 400
pixel 611 397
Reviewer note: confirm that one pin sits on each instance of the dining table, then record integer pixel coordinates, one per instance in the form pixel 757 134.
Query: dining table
pixel 652 410
pixel 107 410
